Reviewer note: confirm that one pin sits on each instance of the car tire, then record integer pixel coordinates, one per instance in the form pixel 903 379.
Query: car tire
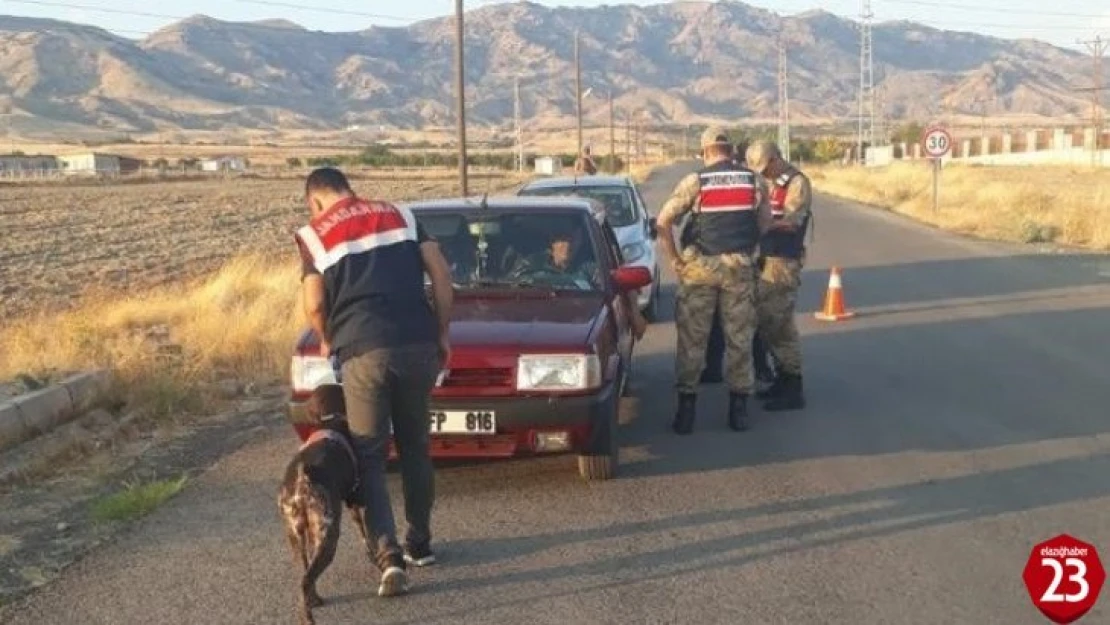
pixel 651 311
pixel 599 468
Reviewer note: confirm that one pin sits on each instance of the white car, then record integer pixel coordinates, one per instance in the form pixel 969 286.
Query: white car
pixel 627 214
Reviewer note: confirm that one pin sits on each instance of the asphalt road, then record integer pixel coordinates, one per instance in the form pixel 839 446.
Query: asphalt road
pixel 960 419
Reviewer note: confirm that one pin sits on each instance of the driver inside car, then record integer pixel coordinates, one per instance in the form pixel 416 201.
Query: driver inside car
pixel 558 260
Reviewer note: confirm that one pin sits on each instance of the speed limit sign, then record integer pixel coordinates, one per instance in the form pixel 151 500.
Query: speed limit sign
pixel 936 142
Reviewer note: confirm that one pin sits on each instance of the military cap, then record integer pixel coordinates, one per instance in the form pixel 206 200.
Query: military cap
pixel 760 153
pixel 714 135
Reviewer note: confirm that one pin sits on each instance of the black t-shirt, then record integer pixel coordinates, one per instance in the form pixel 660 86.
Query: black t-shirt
pixel 373 276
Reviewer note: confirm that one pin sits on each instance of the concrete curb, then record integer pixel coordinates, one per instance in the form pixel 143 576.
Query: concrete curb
pixel 35 413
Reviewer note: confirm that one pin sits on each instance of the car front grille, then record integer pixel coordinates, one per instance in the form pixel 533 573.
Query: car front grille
pixel 479 378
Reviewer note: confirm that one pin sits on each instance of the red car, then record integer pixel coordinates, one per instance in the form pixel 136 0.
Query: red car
pixel 540 334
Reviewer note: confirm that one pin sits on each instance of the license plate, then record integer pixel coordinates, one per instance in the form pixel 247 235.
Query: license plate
pixel 462 422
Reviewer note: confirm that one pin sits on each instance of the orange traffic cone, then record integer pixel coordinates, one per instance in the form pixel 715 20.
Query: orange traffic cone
pixel 834 300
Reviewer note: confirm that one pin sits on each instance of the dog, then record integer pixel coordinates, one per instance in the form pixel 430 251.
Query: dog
pixel 320 480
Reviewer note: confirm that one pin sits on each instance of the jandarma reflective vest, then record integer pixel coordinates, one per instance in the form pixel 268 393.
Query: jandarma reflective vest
pixel 368 253
pixel 724 220
pixel 782 243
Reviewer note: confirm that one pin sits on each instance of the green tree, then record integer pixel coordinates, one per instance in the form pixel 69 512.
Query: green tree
pixel 828 149
pixel 909 132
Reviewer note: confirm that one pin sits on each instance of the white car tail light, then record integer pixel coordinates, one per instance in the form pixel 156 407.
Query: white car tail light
pixel 308 372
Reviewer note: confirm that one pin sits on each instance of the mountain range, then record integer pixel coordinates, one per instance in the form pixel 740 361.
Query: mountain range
pixel 681 62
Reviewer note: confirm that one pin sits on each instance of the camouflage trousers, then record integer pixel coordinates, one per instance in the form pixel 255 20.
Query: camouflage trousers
pixel 776 297
pixel 708 284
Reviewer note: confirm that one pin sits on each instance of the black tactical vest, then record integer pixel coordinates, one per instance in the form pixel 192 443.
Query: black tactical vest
pixel 724 220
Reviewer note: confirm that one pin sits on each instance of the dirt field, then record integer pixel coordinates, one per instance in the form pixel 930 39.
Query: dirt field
pixel 65 240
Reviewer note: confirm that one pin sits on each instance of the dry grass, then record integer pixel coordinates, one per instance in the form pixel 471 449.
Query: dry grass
pixel 1061 205
pixel 171 329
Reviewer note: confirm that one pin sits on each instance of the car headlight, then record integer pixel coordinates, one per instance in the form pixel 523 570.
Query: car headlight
pixel 308 372
pixel 633 252
pixel 558 372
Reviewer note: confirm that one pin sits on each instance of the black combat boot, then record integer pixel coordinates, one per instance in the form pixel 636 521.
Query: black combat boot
pixel 774 390
pixel 790 396
pixel 684 416
pixel 738 411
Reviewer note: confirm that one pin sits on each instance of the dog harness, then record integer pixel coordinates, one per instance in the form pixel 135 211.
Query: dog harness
pixel 326 434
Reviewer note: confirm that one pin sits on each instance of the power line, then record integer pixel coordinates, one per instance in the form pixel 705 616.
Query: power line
pixel 305 7
pixel 87 7
pixel 965 7
pixel 285 5
pixel 948 25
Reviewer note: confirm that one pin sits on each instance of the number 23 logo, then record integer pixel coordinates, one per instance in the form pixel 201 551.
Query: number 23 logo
pixel 1051 594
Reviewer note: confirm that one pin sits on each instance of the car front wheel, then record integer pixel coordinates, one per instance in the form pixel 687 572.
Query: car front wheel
pixel 596 468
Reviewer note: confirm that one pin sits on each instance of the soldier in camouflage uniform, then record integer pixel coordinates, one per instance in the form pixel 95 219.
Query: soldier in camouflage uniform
pixel 730 209
pixel 783 248
pixel 715 349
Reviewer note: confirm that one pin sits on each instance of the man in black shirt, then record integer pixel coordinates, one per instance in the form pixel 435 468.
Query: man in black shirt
pixel 364 265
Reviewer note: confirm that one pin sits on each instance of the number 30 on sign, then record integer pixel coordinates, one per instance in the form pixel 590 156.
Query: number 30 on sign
pixel 936 142
pixel 1064 577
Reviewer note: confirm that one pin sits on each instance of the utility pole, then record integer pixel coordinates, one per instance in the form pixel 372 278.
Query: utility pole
pixel 578 89
pixel 1098 47
pixel 628 141
pixel 784 102
pixel 866 127
pixel 460 95
pixel 612 136
pixel 984 141
pixel 519 130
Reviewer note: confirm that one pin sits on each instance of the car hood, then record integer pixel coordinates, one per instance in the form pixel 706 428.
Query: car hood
pixel 523 320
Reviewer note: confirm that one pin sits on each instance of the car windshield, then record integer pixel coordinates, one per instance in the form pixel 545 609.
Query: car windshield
pixel 617 200
pixel 521 249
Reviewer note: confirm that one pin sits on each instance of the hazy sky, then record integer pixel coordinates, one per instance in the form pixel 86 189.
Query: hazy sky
pixel 1061 22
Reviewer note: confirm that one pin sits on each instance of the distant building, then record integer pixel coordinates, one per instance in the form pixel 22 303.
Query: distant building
pixel 90 163
pixel 19 163
pixel 549 165
pixel 224 163
pixel 129 165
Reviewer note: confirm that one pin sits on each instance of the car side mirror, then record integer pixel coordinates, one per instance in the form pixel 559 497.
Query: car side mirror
pixel 631 278
pixel 652 228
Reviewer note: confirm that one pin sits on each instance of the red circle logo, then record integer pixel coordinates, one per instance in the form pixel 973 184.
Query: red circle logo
pixel 1064 577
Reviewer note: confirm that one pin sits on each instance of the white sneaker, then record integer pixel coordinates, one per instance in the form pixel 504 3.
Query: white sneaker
pixel 394 582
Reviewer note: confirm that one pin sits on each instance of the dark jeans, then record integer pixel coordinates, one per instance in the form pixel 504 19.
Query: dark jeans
pixel 715 350
pixel 384 387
